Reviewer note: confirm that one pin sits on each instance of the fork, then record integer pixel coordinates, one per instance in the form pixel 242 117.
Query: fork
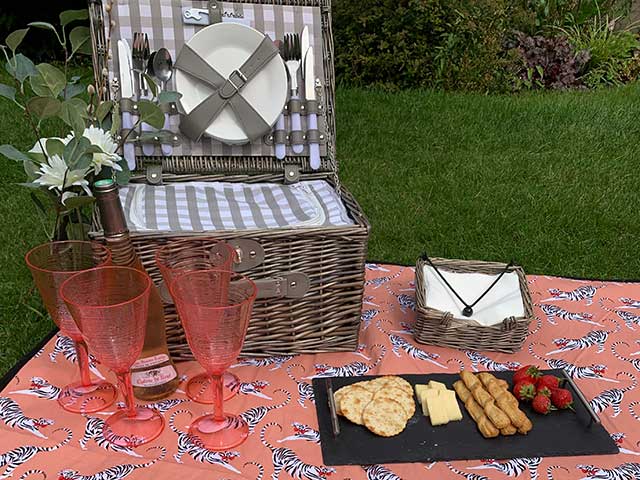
pixel 140 55
pixel 292 57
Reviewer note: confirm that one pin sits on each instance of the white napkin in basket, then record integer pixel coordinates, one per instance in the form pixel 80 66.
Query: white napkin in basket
pixel 502 301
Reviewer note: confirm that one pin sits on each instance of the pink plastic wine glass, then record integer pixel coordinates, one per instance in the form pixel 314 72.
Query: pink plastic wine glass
pixel 215 308
pixel 50 265
pixel 188 255
pixel 110 305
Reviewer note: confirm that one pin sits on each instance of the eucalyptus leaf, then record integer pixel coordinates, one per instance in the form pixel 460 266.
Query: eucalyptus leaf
pixel 37 157
pixel 103 110
pixel 83 162
pixel 50 80
pixel 44 107
pixel 69 16
pixel 72 113
pixel 29 185
pixel 74 150
pixel 80 40
pixel 12 153
pixel 46 26
pixel 150 114
pixel 32 170
pixel 14 39
pixel 74 89
pixel 122 177
pixel 79 201
pixel 169 96
pixel 7 92
pixel 153 86
pixel 21 67
pixel 54 147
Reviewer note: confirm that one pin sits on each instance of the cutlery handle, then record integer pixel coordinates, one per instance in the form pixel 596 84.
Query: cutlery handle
pixel 281 148
pixel 296 125
pixel 129 151
pixel 166 148
pixel 314 148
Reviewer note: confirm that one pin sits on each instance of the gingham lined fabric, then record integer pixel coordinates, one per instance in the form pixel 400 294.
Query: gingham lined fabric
pixel 210 206
pixel 162 21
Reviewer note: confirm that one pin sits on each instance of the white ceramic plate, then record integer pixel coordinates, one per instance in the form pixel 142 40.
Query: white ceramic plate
pixel 226 46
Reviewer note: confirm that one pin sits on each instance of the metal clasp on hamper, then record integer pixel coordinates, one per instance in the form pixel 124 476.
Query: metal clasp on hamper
pixel 289 285
pixel 249 254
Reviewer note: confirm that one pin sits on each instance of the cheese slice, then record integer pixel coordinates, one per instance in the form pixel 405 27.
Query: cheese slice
pixel 437 385
pixel 420 389
pixel 426 395
pixel 437 410
pixel 451 405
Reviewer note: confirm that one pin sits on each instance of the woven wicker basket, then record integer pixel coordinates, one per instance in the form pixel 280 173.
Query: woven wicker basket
pixel 327 317
pixel 435 327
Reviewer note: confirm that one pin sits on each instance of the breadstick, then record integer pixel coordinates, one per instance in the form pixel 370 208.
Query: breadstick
pixel 487 429
pixel 510 430
pixel 497 416
pixel 508 403
pixel 469 379
pixel 526 428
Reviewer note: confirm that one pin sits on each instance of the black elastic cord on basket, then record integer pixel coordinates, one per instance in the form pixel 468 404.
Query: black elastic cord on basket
pixel 468 309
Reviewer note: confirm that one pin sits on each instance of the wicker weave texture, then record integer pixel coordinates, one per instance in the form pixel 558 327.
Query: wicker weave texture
pixel 435 327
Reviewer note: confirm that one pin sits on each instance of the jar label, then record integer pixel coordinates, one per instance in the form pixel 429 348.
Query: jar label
pixel 153 377
pixel 150 361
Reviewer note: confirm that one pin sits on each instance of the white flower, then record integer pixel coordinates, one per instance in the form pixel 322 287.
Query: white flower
pixel 104 140
pixel 52 175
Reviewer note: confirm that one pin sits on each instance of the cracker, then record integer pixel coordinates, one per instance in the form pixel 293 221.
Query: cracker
pixel 353 402
pixel 400 396
pixel 338 394
pixel 384 417
pixel 399 382
pixel 376 384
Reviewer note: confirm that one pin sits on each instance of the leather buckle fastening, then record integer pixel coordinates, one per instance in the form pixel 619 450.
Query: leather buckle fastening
pixel 233 84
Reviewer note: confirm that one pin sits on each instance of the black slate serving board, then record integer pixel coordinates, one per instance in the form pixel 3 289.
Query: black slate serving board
pixel 559 434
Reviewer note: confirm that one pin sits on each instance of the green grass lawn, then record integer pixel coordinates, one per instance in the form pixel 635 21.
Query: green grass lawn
pixel 551 181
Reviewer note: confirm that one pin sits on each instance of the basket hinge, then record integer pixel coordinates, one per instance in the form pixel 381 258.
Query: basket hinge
pixel 154 174
pixel 291 173
pixel 249 254
pixel 289 285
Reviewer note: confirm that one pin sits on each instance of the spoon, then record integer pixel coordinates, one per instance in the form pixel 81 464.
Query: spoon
pixel 149 148
pixel 163 71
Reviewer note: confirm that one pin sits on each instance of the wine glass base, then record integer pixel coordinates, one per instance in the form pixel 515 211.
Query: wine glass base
pixel 200 390
pixel 131 431
pixel 223 434
pixel 79 398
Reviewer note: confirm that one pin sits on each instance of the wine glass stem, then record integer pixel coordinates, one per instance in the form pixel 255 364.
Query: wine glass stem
pixel 124 379
pixel 218 412
pixel 83 362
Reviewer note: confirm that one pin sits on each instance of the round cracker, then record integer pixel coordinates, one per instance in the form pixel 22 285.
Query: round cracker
pixel 376 384
pixel 384 417
pixel 338 394
pixel 399 382
pixel 353 402
pixel 400 396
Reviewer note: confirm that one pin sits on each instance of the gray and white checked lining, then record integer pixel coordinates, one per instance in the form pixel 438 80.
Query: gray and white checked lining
pixel 211 206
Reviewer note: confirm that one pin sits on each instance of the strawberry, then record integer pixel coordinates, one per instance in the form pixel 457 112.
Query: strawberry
pixel 546 391
pixel 524 390
pixel 528 372
pixel 562 398
pixel 550 381
pixel 541 404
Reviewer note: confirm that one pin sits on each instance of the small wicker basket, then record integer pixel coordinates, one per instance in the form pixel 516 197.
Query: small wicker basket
pixel 435 327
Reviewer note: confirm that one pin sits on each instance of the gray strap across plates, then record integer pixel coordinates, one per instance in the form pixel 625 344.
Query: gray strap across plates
pixel 227 91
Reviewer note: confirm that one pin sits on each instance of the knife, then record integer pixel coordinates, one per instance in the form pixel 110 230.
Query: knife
pixel 126 91
pixel 310 95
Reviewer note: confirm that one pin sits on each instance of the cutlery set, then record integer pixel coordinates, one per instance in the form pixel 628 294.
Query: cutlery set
pixel 138 62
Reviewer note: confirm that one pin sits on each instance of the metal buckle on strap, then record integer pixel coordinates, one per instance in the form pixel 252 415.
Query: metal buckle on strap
pixel 236 81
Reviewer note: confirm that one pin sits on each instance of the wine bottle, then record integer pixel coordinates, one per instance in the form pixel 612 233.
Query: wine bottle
pixel 153 375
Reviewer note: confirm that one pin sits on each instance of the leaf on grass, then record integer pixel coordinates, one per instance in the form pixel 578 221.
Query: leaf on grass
pixel 103 110
pixel 7 92
pixel 150 114
pixel 12 153
pixel 32 170
pixel 21 67
pixel 38 203
pixel 80 40
pixel 169 96
pixel 44 107
pixel 69 16
pixel 14 39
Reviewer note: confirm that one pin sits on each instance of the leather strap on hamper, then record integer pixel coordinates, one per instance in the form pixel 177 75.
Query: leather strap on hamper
pixel 227 91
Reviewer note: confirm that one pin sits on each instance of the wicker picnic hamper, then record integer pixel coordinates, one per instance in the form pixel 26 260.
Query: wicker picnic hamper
pixel 327 263
pixel 436 327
